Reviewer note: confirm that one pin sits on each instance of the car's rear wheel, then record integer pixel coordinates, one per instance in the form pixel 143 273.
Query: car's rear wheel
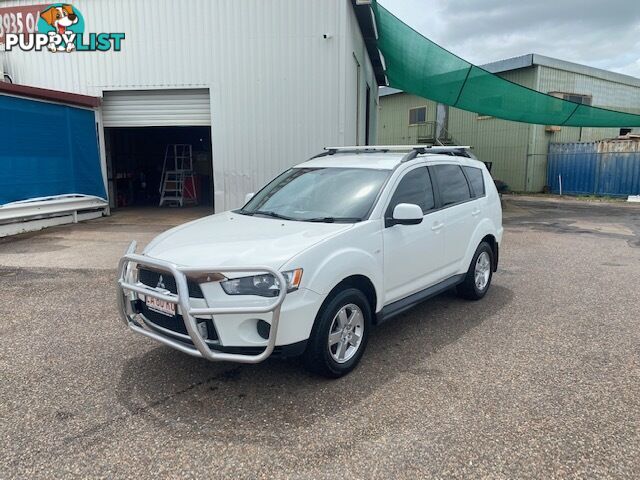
pixel 478 278
pixel 340 334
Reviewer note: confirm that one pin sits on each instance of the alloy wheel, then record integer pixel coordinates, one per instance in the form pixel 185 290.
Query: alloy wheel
pixel 346 333
pixel 482 271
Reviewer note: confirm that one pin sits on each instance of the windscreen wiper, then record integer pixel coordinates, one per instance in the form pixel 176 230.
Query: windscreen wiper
pixel 334 219
pixel 269 213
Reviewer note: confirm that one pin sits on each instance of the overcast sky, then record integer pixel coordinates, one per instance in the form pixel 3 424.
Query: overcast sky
pixel 599 33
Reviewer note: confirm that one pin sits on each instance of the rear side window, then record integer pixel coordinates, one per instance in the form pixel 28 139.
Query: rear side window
pixel 415 187
pixel 452 184
pixel 476 179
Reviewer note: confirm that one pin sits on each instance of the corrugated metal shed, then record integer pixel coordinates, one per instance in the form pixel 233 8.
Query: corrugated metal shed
pixel 394 128
pixel 502 142
pixel 286 77
pixel 519 151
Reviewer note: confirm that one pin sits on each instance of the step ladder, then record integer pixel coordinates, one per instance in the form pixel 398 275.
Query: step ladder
pixel 177 184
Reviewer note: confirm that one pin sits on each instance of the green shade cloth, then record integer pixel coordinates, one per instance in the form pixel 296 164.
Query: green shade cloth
pixel 416 65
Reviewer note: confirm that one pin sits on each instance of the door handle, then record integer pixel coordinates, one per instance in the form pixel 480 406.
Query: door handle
pixel 476 212
pixel 437 226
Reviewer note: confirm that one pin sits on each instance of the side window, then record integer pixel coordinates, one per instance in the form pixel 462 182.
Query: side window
pixel 415 187
pixel 452 184
pixel 417 115
pixel 476 179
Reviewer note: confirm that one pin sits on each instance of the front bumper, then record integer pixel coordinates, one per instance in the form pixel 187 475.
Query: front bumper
pixel 192 341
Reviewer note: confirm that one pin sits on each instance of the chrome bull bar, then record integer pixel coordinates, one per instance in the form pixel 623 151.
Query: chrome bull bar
pixel 179 273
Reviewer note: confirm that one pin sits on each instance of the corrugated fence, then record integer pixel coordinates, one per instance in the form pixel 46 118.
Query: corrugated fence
pixel 609 167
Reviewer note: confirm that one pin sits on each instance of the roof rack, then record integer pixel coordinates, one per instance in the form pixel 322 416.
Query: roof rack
pixel 413 150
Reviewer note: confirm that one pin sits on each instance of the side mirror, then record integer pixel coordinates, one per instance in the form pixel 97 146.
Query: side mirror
pixel 407 214
pixel 248 197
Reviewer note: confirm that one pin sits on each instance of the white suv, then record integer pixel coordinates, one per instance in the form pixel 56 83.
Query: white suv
pixel 357 235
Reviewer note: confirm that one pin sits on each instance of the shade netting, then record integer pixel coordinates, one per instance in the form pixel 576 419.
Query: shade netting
pixel 419 66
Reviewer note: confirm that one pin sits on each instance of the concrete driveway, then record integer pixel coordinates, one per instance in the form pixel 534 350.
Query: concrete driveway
pixel 541 379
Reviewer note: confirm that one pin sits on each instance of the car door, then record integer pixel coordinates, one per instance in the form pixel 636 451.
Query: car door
pixel 413 254
pixel 460 214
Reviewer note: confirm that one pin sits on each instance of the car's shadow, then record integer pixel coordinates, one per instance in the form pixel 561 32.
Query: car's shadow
pixel 230 401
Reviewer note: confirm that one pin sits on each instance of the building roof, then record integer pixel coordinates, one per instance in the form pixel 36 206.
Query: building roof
pixel 384 91
pixel 49 95
pixel 531 59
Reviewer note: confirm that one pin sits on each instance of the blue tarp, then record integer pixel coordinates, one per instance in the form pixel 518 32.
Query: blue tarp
pixel 47 149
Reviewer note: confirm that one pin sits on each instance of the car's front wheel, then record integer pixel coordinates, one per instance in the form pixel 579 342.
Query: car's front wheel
pixel 340 334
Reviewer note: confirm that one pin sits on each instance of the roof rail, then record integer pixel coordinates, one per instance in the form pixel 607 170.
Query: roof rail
pixel 413 150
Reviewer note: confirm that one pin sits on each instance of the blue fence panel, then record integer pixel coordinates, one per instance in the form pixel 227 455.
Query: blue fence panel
pixel 576 164
pixel 46 150
pixel 620 173
pixel 603 168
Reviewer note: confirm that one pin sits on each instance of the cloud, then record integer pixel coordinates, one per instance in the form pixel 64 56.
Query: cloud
pixel 596 33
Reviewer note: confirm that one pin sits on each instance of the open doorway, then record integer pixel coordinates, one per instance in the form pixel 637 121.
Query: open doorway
pixel 135 158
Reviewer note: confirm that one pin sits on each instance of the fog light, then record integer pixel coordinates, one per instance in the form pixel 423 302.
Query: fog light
pixel 263 329
pixel 202 329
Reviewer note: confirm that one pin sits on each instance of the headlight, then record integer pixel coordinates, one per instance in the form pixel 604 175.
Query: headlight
pixel 263 285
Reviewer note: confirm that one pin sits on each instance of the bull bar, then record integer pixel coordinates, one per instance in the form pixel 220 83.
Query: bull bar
pixel 126 290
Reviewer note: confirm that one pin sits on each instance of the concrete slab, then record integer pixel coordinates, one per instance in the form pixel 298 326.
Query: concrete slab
pixel 540 379
pixel 95 244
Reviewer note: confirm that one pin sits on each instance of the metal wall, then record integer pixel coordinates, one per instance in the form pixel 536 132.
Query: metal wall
pixel 393 121
pixel 502 142
pixel 281 74
pixel 494 140
pixel 605 94
pixel 518 150
pixel 609 167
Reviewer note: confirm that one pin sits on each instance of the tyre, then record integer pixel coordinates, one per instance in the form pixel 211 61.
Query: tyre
pixel 478 278
pixel 339 335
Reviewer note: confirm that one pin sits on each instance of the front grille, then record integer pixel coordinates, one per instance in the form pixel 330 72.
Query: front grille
pixel 151 278
pixel 175 323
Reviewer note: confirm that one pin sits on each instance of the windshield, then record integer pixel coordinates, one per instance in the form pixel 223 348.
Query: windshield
pixel 319 194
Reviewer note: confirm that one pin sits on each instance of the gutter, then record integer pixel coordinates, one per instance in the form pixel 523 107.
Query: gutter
pixel 49 95
pixel 366 18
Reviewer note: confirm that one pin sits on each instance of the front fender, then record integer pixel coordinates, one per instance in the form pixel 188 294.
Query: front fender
pixel 346 263
pixel 357 251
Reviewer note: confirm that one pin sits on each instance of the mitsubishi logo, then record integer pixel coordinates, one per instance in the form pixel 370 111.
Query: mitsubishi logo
pixel 160 283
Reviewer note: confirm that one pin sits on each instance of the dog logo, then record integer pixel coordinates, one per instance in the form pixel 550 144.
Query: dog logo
pixel 60 28
pixel 60 18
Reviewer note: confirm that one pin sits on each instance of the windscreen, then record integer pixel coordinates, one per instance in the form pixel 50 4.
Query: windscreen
pixel 319 194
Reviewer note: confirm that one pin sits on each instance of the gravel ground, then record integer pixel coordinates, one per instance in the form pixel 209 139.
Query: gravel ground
pixel 541 379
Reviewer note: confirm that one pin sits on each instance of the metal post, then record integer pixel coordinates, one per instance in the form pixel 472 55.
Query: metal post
pixel 560 182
